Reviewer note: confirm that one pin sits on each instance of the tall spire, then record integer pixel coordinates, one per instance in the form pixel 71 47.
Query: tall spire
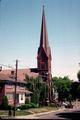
pixel 44 36
pixel 44 56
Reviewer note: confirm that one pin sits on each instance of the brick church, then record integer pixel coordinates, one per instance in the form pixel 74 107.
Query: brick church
pixel 43 69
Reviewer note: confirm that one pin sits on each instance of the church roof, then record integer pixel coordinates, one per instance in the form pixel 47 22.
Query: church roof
pixel 44 36
pixel 44 44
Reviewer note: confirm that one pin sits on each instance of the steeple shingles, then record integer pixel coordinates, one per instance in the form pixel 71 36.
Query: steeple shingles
pixel 44 36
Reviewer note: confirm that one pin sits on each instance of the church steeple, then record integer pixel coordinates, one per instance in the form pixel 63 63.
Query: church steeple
pixel 44 52
pixel 44 36
pixel 44 57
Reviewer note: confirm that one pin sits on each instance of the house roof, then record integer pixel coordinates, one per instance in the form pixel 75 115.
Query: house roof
pixel 18 90
pixel 20 74
pixel 24 91
pixel 4 77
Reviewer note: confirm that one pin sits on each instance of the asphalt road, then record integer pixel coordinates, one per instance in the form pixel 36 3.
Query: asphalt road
pixel 68 114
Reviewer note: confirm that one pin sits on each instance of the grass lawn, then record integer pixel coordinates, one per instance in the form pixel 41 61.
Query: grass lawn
pixel 29 111
pixel 18 113
pixel 42 109
pixel 3 112
pixel 22 112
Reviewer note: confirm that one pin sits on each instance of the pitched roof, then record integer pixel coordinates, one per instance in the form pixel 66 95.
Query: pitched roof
pixel 44 36
pixel 24 91
pixel 4 77
pixel 6 74
pixel 19 90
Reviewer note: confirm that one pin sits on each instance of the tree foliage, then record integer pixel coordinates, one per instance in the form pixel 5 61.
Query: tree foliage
pixel 5 102
pixel 67 89
pixel 39 89
pixel 63 87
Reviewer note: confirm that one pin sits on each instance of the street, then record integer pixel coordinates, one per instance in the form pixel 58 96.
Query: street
pixel 69 114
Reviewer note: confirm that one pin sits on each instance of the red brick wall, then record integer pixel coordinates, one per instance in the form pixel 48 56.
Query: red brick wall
pixel 9 91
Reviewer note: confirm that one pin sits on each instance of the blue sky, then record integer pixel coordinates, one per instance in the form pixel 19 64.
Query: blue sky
pixel 20 26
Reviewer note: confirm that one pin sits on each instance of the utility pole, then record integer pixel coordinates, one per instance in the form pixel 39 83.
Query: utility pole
pixel 15 89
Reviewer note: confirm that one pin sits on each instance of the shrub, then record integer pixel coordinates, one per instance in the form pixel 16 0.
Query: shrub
pixel 22 107
pixel 4 103
pixel 28 106
pixel 5 108
pixel 54 105
pixel 33 105
pixel 26 101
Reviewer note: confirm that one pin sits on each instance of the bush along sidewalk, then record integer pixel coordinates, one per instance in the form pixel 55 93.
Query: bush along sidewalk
pixel 27 106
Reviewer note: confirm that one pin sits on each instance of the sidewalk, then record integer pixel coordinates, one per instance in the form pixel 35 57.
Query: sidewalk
pixel 37 115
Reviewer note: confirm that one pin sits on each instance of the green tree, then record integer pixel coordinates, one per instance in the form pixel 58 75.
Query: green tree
pixel 63 87
pixel 39 89
pixel 4 102
pixel 75 90
pixel 78 91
